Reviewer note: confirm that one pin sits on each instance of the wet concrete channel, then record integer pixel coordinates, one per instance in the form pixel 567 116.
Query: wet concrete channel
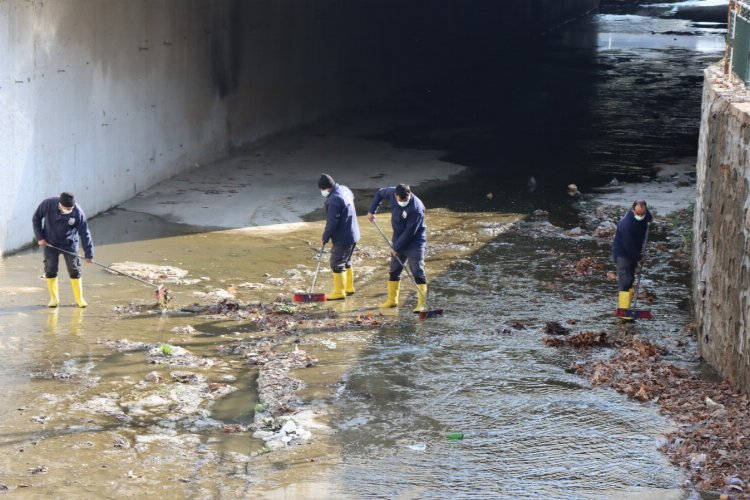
pixel 81 418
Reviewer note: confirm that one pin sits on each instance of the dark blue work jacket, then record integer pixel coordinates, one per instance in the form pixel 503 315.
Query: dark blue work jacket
pixel 407 222
pixel 341 219
pixel 62 231
pixel 630 235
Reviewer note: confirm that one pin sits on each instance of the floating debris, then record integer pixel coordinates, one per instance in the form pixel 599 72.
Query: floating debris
pixel 154 273
pixel 124 345
pixel 581 340
pixel 555 328
pixel 184 330
pixel 42 469
pixel 176 356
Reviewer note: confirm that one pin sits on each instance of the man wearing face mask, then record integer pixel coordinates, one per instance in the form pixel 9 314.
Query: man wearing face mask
pixel 627 249
pixel 343 229
pixel 60 222
pixel 409 240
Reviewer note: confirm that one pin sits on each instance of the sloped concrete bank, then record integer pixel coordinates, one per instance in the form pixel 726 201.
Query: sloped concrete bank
pixel 721 260
pixel 109 98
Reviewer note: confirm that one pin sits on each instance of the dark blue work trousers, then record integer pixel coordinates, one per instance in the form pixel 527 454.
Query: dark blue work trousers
pixel 414 258
pixel 341 257
pixel 625 272
pixel 52 261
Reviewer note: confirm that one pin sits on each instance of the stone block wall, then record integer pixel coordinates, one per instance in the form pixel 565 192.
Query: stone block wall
pixel 721 273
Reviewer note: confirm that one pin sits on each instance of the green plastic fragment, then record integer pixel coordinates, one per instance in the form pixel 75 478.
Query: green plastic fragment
pixel 455 435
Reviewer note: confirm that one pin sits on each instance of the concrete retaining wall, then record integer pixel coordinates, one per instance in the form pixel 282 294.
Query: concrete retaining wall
pixel 721 258
pixel 106 98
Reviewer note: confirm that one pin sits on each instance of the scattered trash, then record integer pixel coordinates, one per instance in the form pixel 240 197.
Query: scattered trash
pixel 712 405
pixel 42 469
pixel 175 356
pixel 152 272
pixel 215 294
pixel 252 286
pixel 183 330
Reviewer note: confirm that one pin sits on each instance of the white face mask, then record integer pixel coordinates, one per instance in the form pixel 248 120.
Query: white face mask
pixel 325 193
pixel 639 217
pixel 63 210
pixel 403 203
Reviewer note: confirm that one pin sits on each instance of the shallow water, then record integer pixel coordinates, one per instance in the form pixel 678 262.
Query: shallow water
pixel 64 390
pixel 530 428
pixel 607 98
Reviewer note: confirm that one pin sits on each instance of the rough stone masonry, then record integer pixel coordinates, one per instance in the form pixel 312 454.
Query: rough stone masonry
pixel 721 258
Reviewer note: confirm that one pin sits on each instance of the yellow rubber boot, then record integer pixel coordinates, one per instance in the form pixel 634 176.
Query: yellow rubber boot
pixel 54 292
pixel 623 300
pixel 338 287
pixel 349 281
pixel 421 299
pixel 393 290
pixel 77 287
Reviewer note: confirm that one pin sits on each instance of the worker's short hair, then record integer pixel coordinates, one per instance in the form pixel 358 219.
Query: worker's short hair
pixel 67 199
pixel 641 203
pixel 403 190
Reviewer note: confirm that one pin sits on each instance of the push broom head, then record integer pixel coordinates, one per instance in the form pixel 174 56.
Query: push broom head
pixel 633 314
pixel 434 313
pixel 309 297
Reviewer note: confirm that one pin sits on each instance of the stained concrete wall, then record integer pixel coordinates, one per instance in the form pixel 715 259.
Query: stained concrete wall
pixel 106 98
pixel 721 257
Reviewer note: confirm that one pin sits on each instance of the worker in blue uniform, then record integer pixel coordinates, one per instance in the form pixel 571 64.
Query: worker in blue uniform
pixel 61 222
pixel 409 240
pixel 627 249
pixel 342 229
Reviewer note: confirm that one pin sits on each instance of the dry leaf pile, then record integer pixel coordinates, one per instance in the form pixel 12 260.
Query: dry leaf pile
pixel 712 439
pixel 581 340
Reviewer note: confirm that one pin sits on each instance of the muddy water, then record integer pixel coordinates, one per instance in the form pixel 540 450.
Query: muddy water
pixel 73 405
pixel 628 85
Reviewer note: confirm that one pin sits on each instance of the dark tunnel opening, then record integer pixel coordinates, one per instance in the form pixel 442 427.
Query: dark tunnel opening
pixel 512 90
